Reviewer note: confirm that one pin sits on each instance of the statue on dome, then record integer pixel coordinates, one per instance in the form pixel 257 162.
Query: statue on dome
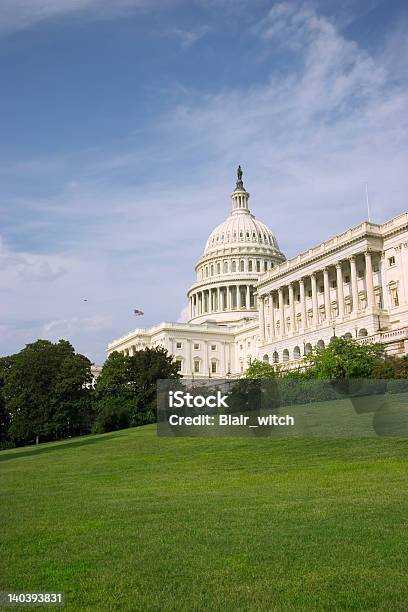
pixel 240 184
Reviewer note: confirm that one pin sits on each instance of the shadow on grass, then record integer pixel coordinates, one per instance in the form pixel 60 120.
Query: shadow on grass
pixel 46 448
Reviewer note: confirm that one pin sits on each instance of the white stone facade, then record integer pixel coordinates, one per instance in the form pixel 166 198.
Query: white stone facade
pixel 249 302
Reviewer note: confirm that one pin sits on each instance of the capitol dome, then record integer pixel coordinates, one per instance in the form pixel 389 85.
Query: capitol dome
pixel 243 228
pixel 237 252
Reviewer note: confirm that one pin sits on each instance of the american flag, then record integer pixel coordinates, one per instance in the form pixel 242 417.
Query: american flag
pixel 138 313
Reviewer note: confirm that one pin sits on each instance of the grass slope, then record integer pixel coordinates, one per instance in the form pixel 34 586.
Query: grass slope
pixel 130 521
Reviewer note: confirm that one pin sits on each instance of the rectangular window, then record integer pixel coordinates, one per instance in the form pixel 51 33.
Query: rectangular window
pixel 178 362
pixel 391 261
pixel 178 345
pixel 196 347
pixel 213 367
pixel 196 366
pixel 213 347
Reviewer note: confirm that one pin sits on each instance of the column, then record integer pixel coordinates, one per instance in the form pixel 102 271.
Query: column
pixel 354 288
pixel 281 313
pixel 292 309
pixel 218 299
pixel 229 298
pixel 314 299
pixel 248 298
pixel 188 357
pixel 271 318
pixel 239 304
pixel 326 286
pixel 205 360
pixel 303 303
pixel 369 280
pixel 340 292
pixel 261 319
pixel 384 288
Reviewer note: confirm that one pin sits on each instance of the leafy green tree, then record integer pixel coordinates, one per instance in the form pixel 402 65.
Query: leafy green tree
pixel 46 392
pixel 260 370
pixel 344 358
pixel 126 389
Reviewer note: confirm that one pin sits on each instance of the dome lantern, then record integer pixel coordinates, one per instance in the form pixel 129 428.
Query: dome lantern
pixel 240 196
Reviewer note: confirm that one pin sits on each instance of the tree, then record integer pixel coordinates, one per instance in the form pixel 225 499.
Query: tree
pixel 344 358
pixel 5 417
pixel 127 387
pixel 260 370
pixel 46 392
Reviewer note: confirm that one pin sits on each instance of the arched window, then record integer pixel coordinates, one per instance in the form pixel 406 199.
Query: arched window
pixel 214 366
pixel 212 270
pixel 234 266
pixel 296 353
pixel 362 333
pixel 308 348
pixel 285 355
pixel 197 365
pixel 265 358
pixel 218 268
pixel 225 266
pixel 250 265
pixel 179 363
pixel 241 265
pixel 320 344
pixel 275 357
pixel 265 266
pixel 348 335
pixel 206 271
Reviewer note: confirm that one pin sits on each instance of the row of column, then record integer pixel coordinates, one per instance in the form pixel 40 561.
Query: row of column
pixel 221 298
pixel 315 305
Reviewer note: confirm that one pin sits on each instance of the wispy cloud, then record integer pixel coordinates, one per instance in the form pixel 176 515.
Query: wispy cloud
pixel 21 14
pixel 189 37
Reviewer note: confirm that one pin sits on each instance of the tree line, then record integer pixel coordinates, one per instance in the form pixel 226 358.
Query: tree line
pixel 47 391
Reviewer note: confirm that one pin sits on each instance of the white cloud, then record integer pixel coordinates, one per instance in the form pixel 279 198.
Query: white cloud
pixel 184 315
pixel 20 266
pixel 63 328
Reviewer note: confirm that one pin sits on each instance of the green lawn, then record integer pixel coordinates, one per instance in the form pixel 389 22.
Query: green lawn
pixel 130 521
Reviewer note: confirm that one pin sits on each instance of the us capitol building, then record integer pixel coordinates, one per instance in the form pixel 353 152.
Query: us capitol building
pixel 250 302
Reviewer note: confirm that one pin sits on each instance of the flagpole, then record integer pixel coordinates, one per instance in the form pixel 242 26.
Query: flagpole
pixel 368 202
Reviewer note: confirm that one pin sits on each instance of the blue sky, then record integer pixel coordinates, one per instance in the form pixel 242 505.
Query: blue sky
pixel 122 125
